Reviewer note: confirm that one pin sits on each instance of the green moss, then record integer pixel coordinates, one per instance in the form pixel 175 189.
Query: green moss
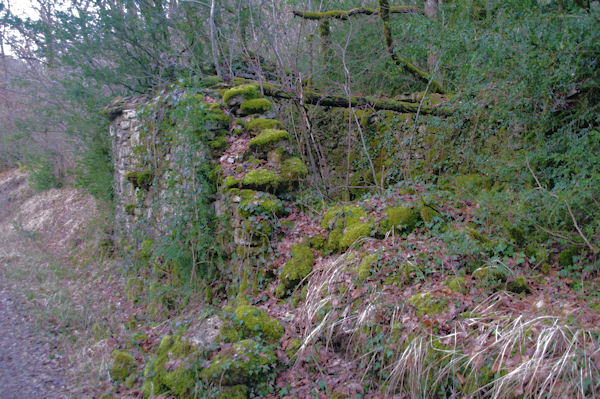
pixel 260 204
pixel 256 322
pixel 342 215
pixel 565 257
pixel 230 334
pixel 298 267
pixel 248 92
pixel 472 182
pixel 515 233
pixel 457 284
pixel 317 242
pixel 137 338
pixel 293 169
pixel 364 268
pixel 255 126
pixel 261 179
pixel 293 347
pixel 338 219
pixel 256 106
pixel 268 139
pixel 245 362
pixel 539 256
pixel 130 209
pixel 231 181
pixel 123 365
pixel 427 304
pixel 235 392
pixel 219 119
pixel 210 81
pixel 402 218
pixel 353 233
pixel 428 213
pixel 140 179
pixel 173 369
pixel 218 145
pixel 476 235
pixel 518 285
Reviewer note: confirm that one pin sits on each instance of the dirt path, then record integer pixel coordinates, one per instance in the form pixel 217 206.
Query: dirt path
pixel 27 369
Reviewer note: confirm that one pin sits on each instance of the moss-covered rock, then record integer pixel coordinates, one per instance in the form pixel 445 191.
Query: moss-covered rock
pixel 365 266
pixel 230 182
pixel 268 139
pixel 173 369
pixel 255 126
pixel 255 106
pixel 261 179
pixel 427 304
pixel 292 170
pixel 340 220
pixel 245 362
pixel 565 257
pixel 353 233
pixel 238 94
pixel 257 323
pixel 259 203
pixel 400 218
pixel 298 267
pixel 140 178
pixel 123 365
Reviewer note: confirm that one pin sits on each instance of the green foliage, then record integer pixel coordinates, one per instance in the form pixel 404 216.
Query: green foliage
pixel 42 176
pixel 94 169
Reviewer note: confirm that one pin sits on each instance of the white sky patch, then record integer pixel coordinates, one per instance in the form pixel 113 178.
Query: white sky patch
pixel 23 8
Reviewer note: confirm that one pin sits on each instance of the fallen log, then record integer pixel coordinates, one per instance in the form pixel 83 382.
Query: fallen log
pixel 313 97
pixel 345 14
